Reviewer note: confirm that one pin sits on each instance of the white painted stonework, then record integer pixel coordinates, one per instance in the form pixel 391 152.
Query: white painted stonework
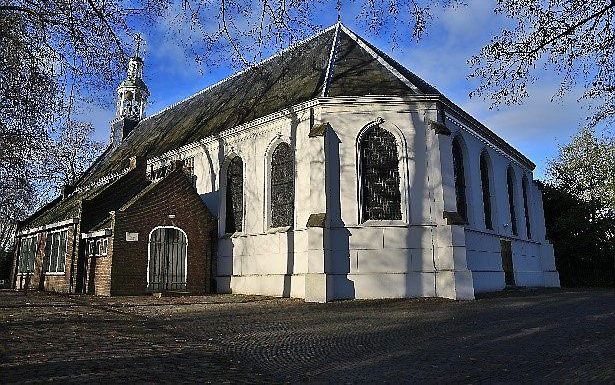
pixel 418 256
pixel 427 253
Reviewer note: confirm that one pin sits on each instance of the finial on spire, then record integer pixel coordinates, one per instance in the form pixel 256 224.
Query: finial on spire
pixel 338 8
pixel 138 40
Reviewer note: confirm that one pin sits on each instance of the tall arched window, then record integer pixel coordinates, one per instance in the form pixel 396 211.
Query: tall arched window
pixel 510 181
pixel 484 178
pixel 379 175
pixel 282 186
pixel 526 207
pixel 460 183
pixel 234 196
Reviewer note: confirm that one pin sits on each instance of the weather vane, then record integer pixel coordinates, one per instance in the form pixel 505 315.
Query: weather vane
pixel 138 40
pixel 338 8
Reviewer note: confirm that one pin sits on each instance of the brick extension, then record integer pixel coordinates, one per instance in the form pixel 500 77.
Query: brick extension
pixel 154 207
pixel 136 205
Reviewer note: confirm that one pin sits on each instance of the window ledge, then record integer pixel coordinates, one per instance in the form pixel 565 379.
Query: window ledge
pixel 57 273
pixel 384 223
pixel 282 229
pixel 234 235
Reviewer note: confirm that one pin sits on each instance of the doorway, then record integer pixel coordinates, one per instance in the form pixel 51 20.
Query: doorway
pixel 167 265
pixel 507 262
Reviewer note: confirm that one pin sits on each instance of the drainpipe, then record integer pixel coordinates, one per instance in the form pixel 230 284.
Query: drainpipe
pixel 71 286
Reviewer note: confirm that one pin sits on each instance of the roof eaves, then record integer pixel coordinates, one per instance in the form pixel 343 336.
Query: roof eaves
pixel 487 133
pixel 286 112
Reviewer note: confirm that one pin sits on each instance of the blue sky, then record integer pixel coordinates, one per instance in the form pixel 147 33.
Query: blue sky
pixel 535 128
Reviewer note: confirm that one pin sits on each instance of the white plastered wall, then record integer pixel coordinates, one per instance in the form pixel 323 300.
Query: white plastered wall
pixel 418 256
pixel 421 255
pixel 533 260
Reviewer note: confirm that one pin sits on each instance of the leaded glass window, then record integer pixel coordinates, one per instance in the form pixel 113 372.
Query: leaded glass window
pixel 460 184
pixel 380 195
pixel 56 251
pixel 27 254
pixel 234 196
pixel 484 177
pixel 510 181
pixel 282 186
pixel 528 227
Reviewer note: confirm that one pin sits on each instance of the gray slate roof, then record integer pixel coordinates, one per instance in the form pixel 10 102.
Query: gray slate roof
pixel 291 77
pixel 295 75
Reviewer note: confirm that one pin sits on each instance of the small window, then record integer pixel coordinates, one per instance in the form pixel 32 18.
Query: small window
pixel 510 181
pixel 234 196
pixel 460 184
pixel 159 173
pixel 56 251
pixel 526 207
pixel 27 251
pixel 282 186
pixel 189 165
pixel 91 247
pixel 189 170
pixel 484 177
pixel 379 175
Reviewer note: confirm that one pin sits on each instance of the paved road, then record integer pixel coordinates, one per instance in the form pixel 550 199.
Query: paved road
pixel 546 336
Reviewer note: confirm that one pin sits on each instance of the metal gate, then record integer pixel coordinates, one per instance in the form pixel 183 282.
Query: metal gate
pixel 168 248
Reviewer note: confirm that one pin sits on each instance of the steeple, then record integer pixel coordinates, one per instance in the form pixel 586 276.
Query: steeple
pixel 132 96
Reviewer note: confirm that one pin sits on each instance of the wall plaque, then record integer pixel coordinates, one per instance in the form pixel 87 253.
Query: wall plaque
pixel 132 237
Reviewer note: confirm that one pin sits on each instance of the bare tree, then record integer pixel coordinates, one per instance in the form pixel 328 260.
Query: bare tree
pixel 51 53
pixel 69 152
pixel 245 30
pixel 574 37
pixel 55 54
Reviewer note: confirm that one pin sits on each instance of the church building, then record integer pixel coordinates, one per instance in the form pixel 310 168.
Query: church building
pixel 328 171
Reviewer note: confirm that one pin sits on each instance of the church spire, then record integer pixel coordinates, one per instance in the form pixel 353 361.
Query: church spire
pixel 132 96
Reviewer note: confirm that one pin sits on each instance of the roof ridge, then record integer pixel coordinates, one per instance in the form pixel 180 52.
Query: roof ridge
pixel 236 74
pixel 332 54
pixel 380 58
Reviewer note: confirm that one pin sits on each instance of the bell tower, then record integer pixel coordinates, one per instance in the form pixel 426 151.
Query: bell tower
pixel 132 96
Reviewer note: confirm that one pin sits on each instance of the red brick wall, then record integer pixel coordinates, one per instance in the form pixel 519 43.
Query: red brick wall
pixel 39 280
pixel 175 196
pixel 100 272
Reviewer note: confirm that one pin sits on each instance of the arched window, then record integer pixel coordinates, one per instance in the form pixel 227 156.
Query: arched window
pixel 526 207
pixel 510 181
pixel 379 175
pixel 234 196
pixel 460 183
pixel 167 265
pixel 484 177
pixel 282 186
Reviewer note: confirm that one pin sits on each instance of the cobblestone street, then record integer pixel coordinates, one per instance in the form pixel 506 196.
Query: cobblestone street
pixel 549 336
